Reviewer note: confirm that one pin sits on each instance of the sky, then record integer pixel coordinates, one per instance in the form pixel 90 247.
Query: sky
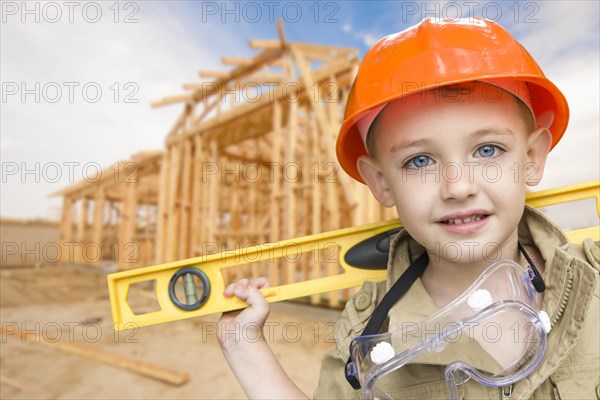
pixel 78 77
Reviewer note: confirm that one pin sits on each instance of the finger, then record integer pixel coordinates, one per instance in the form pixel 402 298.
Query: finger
pixel 228 292
pixel 233 287
pixel 242 283
pixel 260 282
pixel 256 300
pixel 240 289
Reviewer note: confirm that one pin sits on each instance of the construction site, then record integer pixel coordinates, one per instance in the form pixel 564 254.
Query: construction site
pixel 234 172
pixel 250 160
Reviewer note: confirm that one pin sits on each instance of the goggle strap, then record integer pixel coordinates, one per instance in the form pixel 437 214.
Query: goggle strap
pixel 537 281
pixel 400 287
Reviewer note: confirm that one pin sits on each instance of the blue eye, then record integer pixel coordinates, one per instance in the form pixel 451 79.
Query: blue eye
pixel 487 150
pixel 418 162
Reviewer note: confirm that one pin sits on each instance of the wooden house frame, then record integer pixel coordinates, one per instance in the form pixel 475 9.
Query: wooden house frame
pixel 250 160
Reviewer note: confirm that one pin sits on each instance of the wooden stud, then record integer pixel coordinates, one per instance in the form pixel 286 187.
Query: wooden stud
pixel 185 201
pixel 213 190
pixel 172 204
pixel 98 223
pixel 252 199
pixel 316 200
pixel 205 194
pixel 128 250
pixel 275 199
pixel 163 215
pixel 196 196
pixel 81 228
pixel 290 182
pixel 66 227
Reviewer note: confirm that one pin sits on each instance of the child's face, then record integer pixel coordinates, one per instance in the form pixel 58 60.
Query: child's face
pixel 457 169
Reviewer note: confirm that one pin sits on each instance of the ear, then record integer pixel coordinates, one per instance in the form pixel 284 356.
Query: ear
pixel 538 147
pixel 372 175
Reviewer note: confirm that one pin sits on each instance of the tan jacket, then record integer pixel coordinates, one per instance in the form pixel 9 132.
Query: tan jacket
pixel 571 365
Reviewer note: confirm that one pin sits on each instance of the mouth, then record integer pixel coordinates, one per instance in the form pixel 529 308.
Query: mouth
pixel 464 218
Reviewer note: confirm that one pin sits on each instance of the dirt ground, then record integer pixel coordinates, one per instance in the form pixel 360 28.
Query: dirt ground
pixel 70 303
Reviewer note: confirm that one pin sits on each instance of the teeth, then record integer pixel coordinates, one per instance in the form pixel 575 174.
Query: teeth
pixel 455 221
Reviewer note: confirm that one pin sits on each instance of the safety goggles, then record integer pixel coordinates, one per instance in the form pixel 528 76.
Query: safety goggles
pixel 493 333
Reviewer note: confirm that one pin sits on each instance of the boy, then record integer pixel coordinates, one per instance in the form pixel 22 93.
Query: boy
pixel 449 122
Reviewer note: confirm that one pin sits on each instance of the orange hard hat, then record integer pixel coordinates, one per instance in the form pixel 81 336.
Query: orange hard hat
pixel 438 53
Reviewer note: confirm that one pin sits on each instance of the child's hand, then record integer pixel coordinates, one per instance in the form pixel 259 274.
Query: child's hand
pixel 245 325
pixel 246 350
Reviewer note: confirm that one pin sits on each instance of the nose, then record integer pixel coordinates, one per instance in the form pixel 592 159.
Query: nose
pixel 457 183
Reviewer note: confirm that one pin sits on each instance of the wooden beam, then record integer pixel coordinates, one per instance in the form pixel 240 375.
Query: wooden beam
pixel 167 101
pixel 66 227
pixel 172 192
pixel 213 190
pixel 13 384
pixel 140 367
pixel 263 78
pixel 280 32
pixel 213 74
pixel 258 61
pixel 248 108
pixel 236 61
pixel 252 200
pixel 240 157
pixel 275 199
pixel 272 52
pixel 185 201
pixel 324 124
pixel 317 192
pixel 127 251
pixel 163 216
pixel 81 228
pixel 179 123
pixel 98 224
pixel 333 51
pixel 197 185
pixel 264 44
pixel 289 273
pixel 309 82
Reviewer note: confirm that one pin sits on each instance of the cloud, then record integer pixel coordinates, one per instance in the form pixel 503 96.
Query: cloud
pixel 560 30
pixel 576 157
pixel 565 42
pixel 167 46
pixel 368 38
pixel 132 65
pixel 8 143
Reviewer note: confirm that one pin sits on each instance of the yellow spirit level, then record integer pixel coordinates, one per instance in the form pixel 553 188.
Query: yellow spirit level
pixel 209 269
